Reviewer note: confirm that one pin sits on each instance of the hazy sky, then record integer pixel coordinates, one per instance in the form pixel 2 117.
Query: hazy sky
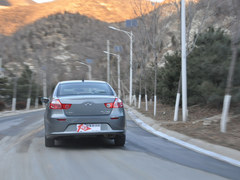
pixel 157 0
pixel 42 1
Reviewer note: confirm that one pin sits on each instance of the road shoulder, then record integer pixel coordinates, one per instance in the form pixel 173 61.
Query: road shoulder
pixel 12 113
pixel 226 154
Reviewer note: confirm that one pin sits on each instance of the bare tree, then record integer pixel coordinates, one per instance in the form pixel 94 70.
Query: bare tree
pixel 14 94
pixel 142 51
pixel 140 9
pixel 141 54
pixel 153 32
pixel 153 26
pixel 235 28
pixel 29 91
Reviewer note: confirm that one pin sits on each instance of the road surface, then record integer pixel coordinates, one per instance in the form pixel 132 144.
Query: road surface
pixel 145 156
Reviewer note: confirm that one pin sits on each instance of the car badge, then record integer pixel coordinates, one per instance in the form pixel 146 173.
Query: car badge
pixel 88 104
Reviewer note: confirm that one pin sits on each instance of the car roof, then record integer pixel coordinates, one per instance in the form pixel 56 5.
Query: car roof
pixel 81 81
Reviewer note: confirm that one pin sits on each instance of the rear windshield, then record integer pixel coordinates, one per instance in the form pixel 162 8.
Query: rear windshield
pixel 84 88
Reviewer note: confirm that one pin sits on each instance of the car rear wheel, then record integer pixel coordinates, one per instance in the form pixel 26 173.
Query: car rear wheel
pixel 119 140
pixel 49 142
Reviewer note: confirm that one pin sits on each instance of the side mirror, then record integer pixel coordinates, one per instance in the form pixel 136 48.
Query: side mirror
pixel 45 100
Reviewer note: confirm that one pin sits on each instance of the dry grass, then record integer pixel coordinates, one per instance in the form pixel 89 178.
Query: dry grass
pixel 194 127
pixel 166 112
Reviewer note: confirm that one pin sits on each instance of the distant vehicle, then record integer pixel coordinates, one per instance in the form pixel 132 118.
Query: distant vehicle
pixel 84 108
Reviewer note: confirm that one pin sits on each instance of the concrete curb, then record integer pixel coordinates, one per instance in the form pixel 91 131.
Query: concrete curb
pixel 12 113
pixel 228 155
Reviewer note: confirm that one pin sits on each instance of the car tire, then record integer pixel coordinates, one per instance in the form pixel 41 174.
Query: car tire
pixel 49 142
pixel 119 140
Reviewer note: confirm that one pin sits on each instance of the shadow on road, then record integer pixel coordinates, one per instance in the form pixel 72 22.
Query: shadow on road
pixel 86 143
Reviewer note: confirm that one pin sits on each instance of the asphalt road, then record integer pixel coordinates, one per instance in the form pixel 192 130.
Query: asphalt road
pixel 23 156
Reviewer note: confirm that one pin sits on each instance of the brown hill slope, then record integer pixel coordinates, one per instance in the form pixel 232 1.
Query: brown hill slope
pixel 20 2
pixel 22 12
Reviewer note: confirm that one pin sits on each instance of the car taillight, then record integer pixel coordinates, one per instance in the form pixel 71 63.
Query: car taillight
pixel 116 104
pixel 56 104
pixel 66 106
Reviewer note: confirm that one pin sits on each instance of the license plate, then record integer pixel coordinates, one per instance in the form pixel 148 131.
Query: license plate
pixel 88 127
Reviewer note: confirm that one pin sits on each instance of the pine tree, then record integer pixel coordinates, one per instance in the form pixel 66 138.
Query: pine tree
pixel 24 84
pixel 207 70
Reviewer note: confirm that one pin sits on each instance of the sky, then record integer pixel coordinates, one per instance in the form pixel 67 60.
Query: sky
pixel 43 1
pixel 157 0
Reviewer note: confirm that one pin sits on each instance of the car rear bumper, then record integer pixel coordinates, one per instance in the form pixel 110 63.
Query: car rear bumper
pixel 101 133
pixel 53 126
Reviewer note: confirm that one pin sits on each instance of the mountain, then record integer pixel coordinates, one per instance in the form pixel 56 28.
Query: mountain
pixel 15 14
pixel 56 43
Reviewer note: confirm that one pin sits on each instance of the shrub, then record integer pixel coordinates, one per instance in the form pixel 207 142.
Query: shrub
pixel 21 105
pixel 2 105
pixel 207 70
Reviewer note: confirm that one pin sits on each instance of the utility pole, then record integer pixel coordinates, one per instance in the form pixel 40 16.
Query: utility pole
pixel 108 62
pixel 184 62
pixel 119 78
pixel 130 83
pixel 119 88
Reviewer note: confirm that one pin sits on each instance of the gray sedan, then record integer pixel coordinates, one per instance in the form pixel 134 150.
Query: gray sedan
pixel 84 108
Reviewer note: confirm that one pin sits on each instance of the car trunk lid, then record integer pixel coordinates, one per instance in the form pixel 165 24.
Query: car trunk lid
pixel 87 105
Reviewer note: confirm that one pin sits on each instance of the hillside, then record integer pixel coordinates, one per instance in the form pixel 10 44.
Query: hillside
pixel 59 41
pixel 23 12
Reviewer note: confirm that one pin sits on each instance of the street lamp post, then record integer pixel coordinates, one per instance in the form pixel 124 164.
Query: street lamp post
pixel 108 62
pixel 184 63
pixel 130 35
pixel 119 59
pixel 89 70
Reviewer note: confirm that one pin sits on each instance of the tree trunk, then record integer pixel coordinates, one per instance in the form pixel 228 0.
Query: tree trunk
pixel 14 99
pixel 235 42
pixel 177 99
pixel 140 87
pixel 36 98
pixel 29 93
pixel 146 99
pixel 227 97
pixel 44 86
pixel 155 85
